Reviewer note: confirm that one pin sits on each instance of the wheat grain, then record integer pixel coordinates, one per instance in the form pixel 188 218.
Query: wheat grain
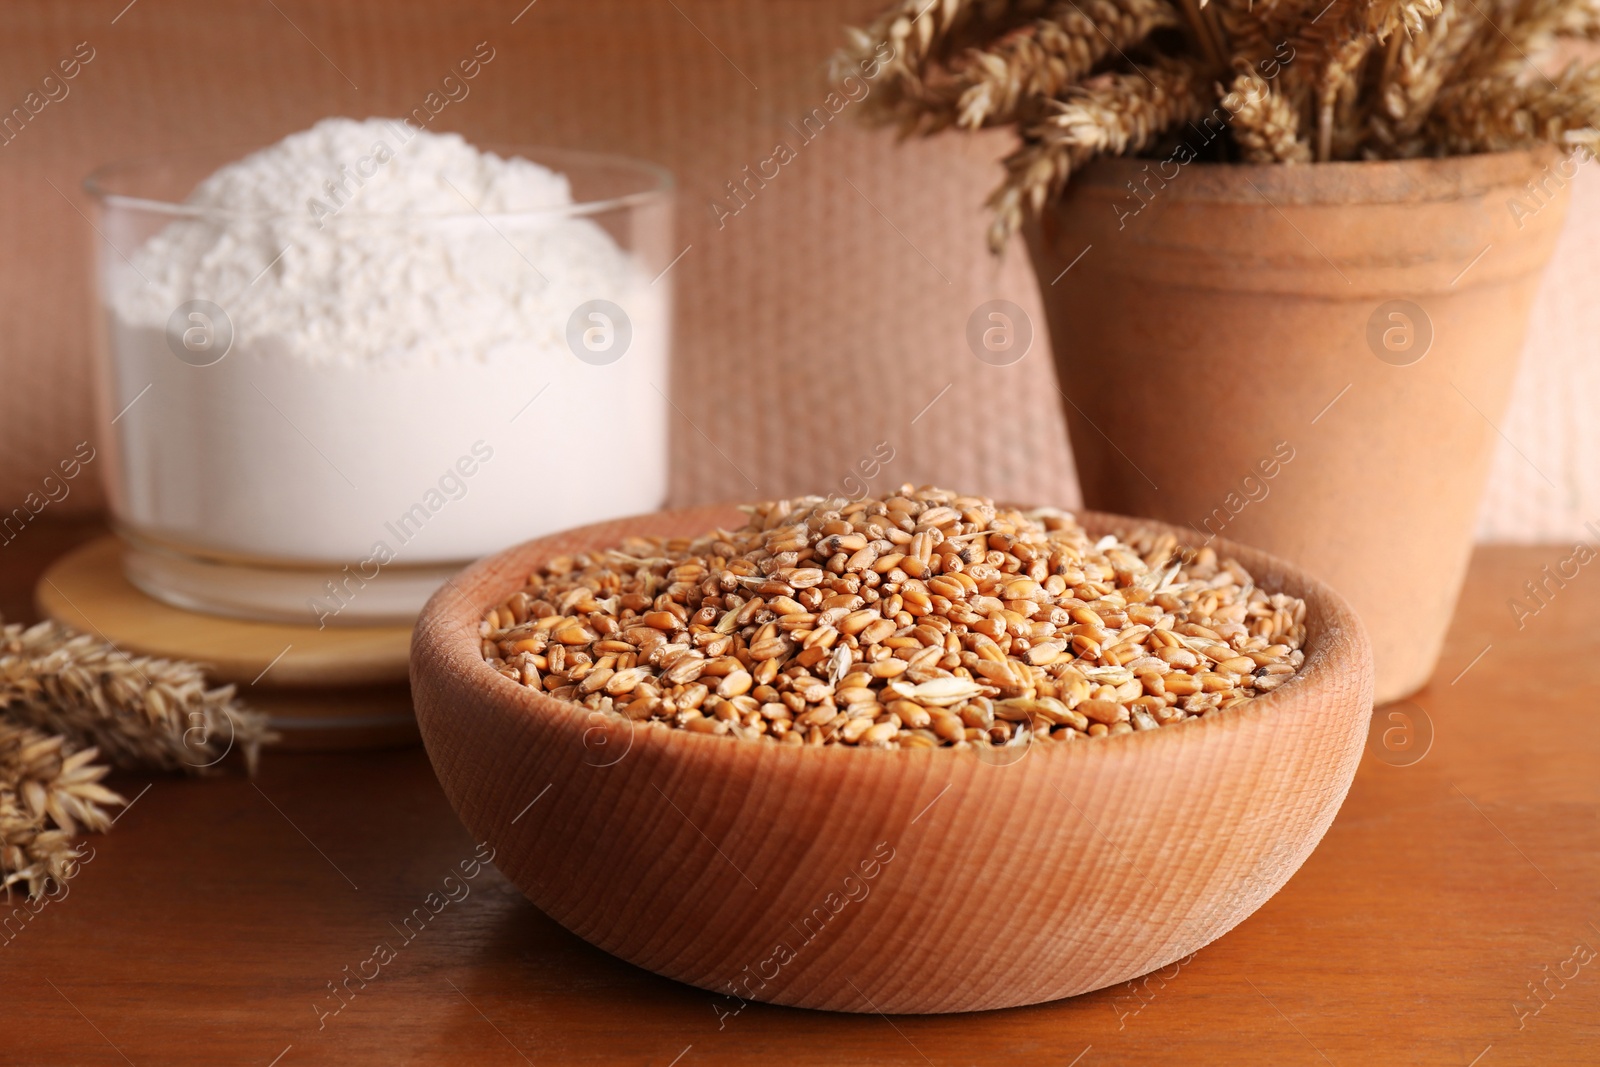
pixel 923 619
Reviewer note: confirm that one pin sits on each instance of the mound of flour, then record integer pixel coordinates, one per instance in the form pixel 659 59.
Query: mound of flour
pixel 376 242
pixel 400 373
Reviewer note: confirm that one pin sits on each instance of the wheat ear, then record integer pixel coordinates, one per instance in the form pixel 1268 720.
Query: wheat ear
pixel 1265 126
pixel 140 711
pixel 1500 113
pixel 1110 113
pixel 47 791
pixel 1040 60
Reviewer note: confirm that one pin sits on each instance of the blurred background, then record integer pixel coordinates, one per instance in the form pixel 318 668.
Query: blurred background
pixel 821 319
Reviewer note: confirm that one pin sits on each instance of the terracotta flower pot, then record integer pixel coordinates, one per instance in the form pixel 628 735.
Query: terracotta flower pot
pixel 1309 359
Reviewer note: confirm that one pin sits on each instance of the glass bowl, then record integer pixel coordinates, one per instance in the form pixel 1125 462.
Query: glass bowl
pixel 342 407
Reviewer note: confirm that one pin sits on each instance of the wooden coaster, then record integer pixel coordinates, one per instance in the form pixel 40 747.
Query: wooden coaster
pixel 338 687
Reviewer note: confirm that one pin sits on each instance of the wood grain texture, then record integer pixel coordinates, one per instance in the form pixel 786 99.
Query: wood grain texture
pixel 207 926
pixel 850 879
pixel 86 590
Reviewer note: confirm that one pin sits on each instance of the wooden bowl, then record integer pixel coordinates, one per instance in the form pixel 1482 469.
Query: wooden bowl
pixel 932 880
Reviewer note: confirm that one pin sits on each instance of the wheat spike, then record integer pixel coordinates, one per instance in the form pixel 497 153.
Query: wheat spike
pixel 1420 67
pixel 64 698
pixel 1265 125
pixel 1385 17
pixel 47 792
pixel 29 854
pixel 1344 62
pixel 55 782
pixel 913 39
pixel 1110 113
pixel 140 711
pixel 1530 31
pixel 1038 61
pixel 1576 18
pixel 1244 24
pixel 1498 114
pixel 1340 79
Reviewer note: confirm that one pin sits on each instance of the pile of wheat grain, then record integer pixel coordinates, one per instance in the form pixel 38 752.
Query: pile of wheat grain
pixel 1291 80
pixel 924 619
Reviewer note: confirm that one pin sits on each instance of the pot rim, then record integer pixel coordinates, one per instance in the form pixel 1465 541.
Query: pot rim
pixel 1334 183
pixel 445 645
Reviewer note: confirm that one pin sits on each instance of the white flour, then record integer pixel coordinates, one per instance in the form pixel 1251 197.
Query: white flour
pixel 405 272
pixel 390 309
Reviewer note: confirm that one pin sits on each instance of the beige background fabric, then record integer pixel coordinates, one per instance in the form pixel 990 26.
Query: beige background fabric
pixel 819 321
pixel 1545 482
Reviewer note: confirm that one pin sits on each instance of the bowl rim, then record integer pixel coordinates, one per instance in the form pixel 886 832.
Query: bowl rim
pixel 658 185
pixel 1341 645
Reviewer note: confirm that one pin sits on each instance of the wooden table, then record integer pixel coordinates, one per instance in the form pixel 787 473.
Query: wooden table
pixel 213 922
